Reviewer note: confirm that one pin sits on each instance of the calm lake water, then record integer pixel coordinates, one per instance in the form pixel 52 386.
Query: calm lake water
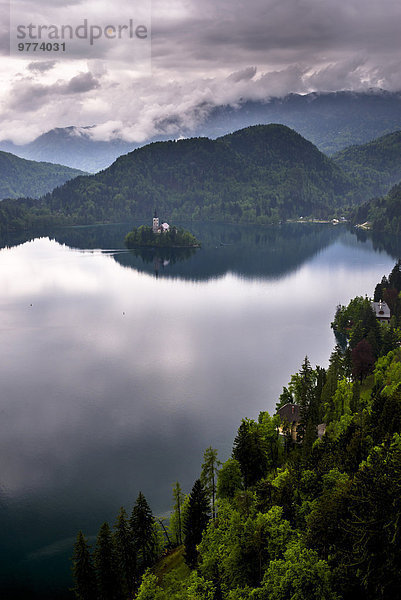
pixel 118 370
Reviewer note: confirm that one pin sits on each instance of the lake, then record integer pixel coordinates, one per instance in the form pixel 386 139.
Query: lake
pixel 118 369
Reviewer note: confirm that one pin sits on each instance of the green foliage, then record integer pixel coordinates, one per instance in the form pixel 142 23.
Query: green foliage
pixel 176 519
pixel 106 565
pixel 261 174
pixel 20 177
pixel 374 166
pixel 300 575
pixel 199 589
pixel 175 237
pixel 236 551
pixel 384 213
pixel 374 520
pixel 149 588
pixel 83 571
pixel 249 451
pixel 125 553
pixel 209 475
pixel 319 521
pixel 196 520
pixel 229 479
pixel 144 534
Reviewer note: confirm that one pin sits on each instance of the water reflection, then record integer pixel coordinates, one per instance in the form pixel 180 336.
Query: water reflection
pixel 115 382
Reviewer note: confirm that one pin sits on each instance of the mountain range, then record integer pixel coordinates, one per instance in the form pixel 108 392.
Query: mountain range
pixel 375 166
pixel 19 177
pixel 261 174
pixel 332 121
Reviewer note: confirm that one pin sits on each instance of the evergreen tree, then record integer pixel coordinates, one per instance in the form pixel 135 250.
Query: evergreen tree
pixel 209 475
pixel 142 525
pixel 229 479
pixel 249 451
pixel 176 522
pixel 394 279
pixel 106 566
pixel 83 570
pixel 196 521
pixel 305 395
pixel 125 552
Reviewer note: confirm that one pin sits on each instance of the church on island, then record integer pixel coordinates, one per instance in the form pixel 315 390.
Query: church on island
pixel 156 227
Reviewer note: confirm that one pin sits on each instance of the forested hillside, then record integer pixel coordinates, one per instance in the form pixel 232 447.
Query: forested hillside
pixel 19 177
pixel 383 213
pixel 375 166
pixel 260 174
pixel 291 514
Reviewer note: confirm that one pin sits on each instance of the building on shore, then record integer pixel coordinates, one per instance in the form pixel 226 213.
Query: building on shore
pixel 382 311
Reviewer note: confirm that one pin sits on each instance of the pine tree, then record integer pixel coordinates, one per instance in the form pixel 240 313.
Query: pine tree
pixel 196 521
pixel 106 566
pixel 124 552
pixel 305 395
pixel 142 525
pixel 209 475
pixel 83 570
pixel 249 451
pixel 176 522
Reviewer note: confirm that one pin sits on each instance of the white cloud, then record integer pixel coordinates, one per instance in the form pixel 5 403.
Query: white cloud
pixel 202 56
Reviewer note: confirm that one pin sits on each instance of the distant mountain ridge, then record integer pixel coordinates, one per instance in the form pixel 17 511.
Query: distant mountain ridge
pixel 71 146
pixel 332 121
pixel 375 166
pixel 261 174
pixel 20 177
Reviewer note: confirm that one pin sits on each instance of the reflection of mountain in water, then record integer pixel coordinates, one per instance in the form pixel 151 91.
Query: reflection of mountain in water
pixel 249 251
pixel 380 241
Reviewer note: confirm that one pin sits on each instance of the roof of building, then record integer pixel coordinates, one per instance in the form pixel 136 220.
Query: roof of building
pixel 290 413
pixel 381 309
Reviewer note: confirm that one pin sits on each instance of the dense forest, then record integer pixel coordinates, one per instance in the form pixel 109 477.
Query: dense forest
pixel 19 177
pixel 374 166
pixel 291 515
pixel 384 213
pixel 262 174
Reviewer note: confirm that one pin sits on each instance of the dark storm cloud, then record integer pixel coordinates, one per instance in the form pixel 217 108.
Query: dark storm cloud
pixel 278 32
pixel 41 66
pixel 29 96
pixel 206 54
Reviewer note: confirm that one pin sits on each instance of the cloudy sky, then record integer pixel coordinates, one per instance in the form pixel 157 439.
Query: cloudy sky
pixel 197 54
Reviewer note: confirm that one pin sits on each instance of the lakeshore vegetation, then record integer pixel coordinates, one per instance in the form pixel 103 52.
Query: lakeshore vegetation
pixel 174 237
pixel 261 174
pixel 285 517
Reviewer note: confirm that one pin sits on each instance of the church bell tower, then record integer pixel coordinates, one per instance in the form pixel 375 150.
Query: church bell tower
pixel 155 225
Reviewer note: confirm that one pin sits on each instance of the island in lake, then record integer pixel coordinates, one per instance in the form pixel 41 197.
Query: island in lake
pixel 160 236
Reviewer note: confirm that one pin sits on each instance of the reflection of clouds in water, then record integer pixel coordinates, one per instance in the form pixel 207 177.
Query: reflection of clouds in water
pixel 97 405
pixel 86 388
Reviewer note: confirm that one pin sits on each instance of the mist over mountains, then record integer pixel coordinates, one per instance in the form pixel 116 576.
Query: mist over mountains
pixel 332 121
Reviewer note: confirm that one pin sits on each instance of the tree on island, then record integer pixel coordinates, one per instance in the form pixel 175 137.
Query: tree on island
pixel 175 237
